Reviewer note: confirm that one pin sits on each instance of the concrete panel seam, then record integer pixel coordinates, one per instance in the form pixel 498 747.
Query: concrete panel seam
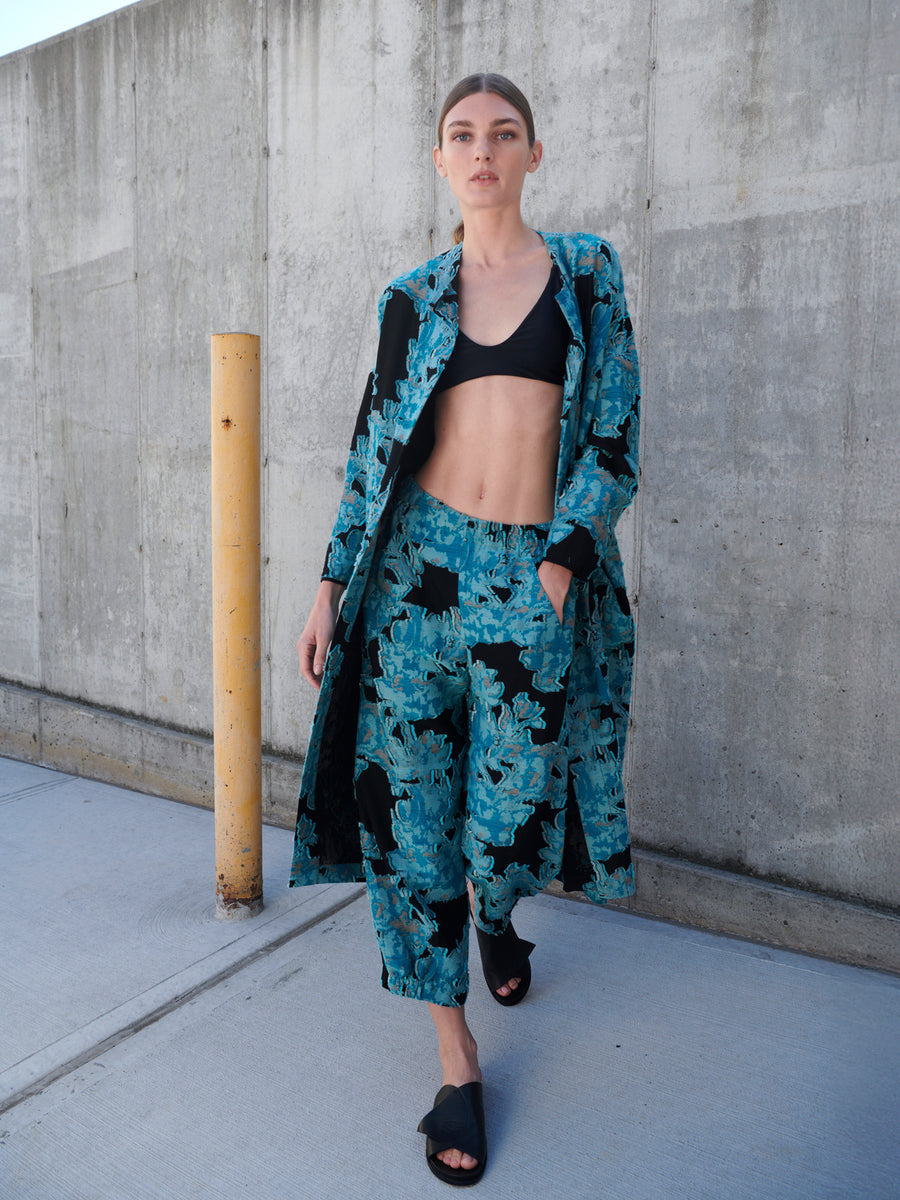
pixel 432 179
pixel 138 352
pixel 36 489
pixel 643 327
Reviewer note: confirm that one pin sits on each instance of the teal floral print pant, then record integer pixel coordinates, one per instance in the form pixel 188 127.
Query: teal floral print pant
pixel 459 772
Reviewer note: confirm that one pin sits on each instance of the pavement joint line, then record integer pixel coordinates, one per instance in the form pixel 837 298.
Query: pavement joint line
pixel 21 793
pixel 74 1063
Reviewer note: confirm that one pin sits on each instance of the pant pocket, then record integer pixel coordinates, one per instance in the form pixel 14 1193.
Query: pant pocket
pixel 542 600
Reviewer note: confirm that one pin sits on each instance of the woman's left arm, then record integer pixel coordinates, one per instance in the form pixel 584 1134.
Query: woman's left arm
pixel 604 462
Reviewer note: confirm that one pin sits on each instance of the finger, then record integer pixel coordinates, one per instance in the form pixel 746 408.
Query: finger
pixel 306 651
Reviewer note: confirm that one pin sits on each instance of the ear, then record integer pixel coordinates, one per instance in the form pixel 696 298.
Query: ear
pixel 537 153
pixel 439 162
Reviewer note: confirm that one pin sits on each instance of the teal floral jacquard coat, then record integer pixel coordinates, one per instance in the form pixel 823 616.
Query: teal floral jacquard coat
pixel 596 479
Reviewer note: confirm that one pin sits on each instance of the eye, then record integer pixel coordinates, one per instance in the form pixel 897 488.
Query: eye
pixel 506 135
pixel 461 137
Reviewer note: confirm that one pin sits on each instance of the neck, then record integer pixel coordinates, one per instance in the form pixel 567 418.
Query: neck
pixel 493 238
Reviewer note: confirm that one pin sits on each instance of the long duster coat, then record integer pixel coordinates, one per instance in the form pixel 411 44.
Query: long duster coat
pixel 596 479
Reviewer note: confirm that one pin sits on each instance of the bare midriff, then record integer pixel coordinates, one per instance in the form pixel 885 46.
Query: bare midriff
pixel 496 448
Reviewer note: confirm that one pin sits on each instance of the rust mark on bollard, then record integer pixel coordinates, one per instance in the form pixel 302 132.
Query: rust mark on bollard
pixel 226 423
pixel 249 891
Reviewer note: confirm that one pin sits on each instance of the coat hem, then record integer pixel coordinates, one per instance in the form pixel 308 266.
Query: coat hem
pixel 592 889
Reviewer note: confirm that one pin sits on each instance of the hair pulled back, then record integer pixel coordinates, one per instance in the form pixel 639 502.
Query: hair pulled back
pixel 499 85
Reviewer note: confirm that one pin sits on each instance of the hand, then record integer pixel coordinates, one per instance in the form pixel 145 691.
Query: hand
pixel 555 581
pixel 318 632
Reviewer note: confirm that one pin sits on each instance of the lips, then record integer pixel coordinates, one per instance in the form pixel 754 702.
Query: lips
pixel 483 177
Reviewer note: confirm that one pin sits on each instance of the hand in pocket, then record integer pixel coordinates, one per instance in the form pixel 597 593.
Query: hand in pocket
pixel 555 581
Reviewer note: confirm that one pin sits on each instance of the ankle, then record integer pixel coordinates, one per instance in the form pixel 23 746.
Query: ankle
pixel 458 1045
pixel 459 1062
pixel 458 1052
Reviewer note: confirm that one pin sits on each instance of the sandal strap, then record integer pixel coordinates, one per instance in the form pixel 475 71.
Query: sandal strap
pixel 457 1120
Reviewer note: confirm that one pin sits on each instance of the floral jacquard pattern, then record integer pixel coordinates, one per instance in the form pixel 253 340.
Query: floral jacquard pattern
pixel 460 771
pixel 596 479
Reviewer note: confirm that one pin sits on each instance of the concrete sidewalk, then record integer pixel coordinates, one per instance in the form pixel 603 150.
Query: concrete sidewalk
pixel 148 1050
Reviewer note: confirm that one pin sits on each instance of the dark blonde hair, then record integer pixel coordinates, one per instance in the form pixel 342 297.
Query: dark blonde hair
pixel 499 85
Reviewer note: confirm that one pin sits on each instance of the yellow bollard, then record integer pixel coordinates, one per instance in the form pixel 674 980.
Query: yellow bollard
pixel 237 732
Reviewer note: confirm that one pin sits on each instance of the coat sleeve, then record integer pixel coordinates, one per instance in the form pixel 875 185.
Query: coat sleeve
pixel 350 524
pixel 398 327
pixel 603 476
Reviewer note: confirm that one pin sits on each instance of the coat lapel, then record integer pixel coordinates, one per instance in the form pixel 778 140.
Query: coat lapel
pixel 566 300
pixel 434 293
pixel 565 297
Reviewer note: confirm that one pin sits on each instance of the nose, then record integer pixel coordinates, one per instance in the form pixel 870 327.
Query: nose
pixel 483 150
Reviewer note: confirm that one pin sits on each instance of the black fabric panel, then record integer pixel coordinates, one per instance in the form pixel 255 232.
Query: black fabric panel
pixel 612 453
pixel 334 791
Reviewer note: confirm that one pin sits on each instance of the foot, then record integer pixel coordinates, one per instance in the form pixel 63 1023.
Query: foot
pixel 459 1061
pixel 510 986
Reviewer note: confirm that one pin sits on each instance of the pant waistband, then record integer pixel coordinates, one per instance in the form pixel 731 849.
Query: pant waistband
pixel 462 524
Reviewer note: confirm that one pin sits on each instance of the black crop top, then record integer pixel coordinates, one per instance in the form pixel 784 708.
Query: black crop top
pixel 536 350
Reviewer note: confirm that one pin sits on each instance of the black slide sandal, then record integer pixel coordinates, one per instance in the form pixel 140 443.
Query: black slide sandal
pixel 456 1123
pixel 504 956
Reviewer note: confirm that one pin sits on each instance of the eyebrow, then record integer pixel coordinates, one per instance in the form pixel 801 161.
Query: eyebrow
pixel 494 123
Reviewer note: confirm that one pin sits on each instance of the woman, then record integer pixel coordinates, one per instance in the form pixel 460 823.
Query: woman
pixel 471 721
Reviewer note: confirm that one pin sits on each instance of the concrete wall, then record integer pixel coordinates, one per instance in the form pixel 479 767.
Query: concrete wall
pixel 179 169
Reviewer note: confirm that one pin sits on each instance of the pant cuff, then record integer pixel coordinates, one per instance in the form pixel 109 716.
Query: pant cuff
pixel 452 995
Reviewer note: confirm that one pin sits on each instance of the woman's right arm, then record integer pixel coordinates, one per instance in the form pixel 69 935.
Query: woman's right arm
pixel 343 547
pixel 350 525
pixel 346 537
pixel 319 630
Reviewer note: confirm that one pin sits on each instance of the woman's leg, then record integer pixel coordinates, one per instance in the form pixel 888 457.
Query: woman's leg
pixel 410 751
pixel 520 658
pixel 512 984
pixel 459 1061
pixel 408 788
pixel 409 764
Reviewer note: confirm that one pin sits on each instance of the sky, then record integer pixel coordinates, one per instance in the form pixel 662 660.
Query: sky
pixel 23 22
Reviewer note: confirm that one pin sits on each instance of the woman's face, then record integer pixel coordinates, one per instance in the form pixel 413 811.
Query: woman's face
pixel 484 153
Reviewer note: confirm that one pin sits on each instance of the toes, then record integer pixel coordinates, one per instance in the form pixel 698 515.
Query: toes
pixel 457 1160
pixel 508 988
